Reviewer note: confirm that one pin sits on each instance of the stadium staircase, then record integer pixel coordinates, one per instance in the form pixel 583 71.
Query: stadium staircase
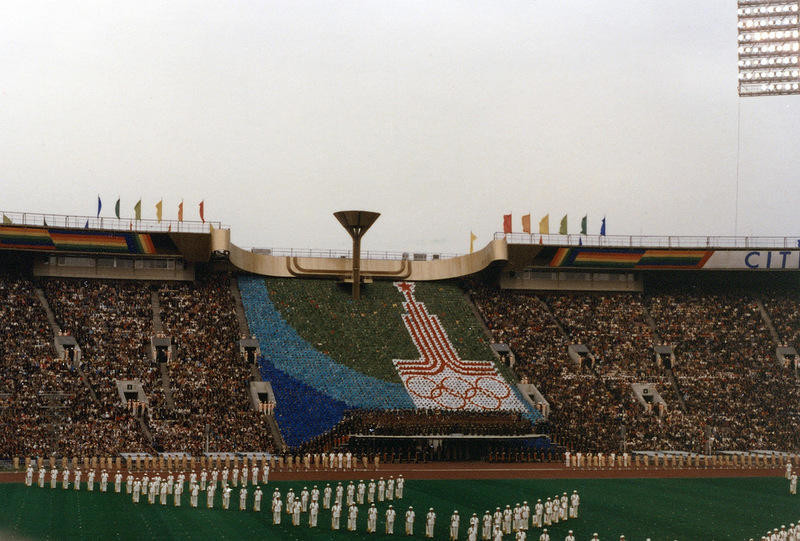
pixel 255 373
pixel 51 318
pixel 158 328
pixel 238 307
pixel 678 394
pixel 768 321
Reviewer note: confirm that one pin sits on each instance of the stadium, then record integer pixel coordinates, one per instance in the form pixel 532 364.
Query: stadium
pixel 632 370
pixel 369 270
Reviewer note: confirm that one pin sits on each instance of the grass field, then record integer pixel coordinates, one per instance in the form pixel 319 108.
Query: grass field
pixel 662 509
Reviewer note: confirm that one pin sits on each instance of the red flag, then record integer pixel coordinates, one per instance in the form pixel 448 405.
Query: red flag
pixel 540 239
pixel 526 223
pixel 506 223
pixel 202 217
pixel 180 211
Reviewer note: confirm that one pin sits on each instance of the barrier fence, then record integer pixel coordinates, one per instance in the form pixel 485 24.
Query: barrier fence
pixel 650 241
pixel 109 224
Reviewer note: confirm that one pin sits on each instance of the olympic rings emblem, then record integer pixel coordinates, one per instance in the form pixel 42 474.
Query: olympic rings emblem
pixel 455 392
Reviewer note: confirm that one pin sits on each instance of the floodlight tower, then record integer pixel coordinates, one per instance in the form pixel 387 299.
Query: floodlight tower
pixel 356 222
pixel 769 47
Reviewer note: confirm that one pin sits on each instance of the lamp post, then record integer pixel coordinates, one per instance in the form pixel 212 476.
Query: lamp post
pixel 356 222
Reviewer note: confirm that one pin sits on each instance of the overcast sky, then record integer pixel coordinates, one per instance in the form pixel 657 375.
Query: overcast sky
pixel 441 115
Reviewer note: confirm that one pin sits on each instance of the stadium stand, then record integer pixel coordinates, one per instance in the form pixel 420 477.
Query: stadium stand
pixel 736 395
pixel 46 407
pixel 209 377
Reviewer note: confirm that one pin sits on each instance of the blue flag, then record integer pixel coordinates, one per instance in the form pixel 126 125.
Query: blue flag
pixel 580 242
pixel 603 227
pixel 87 225
pixel 99 206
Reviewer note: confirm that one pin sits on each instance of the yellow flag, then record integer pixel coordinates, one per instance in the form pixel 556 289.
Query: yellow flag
pixel 472 238
pixel 158 209
pixel 7 220
pixel 544 225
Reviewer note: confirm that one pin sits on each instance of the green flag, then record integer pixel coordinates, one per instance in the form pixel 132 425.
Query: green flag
pixel 583 225
pixel 137 210
pixel 116 209
pixel 562 230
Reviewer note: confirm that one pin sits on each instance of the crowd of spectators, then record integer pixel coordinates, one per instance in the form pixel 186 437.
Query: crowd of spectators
pixel 434 422
pixel 209 375
pixel 736 395
pixel 48 409
pixel 45 407
pixel 727 369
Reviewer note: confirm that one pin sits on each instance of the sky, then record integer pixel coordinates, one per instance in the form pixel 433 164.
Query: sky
pixel 442 116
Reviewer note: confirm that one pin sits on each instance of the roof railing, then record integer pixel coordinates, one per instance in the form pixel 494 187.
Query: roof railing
pixel 347 254
pixel 110 224
pixel 651 241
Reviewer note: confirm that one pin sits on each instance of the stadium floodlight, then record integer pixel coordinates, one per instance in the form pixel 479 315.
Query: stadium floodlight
pixel 769 39
pixel 357 222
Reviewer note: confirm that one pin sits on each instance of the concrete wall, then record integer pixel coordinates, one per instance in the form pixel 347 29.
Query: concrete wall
pixel 111 273
pixel 281 266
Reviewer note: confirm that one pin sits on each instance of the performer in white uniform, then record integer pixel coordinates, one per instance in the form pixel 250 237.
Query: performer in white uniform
pixel 381 489
pixel 430 522
pixel 336 513
pixel 486 531
pixel 390 488
pixel 195 492
pixel 526 517
pixel 454 523
pixel 53 478
pixel 104 481
pixel 277 506
pixel 210 496
pixel 303 500
pixel 326 497
pixel 352 516
pixel 42 474
pixel 29 476
pixel 313 514
pixel 339 493
pixel 410 521
pixel 176 494
pixel 257 495
pixel 372 519
pixel 265 473
pixel 371 491
pixel 398 487
pixel 391 515
pixel 361 491
pixel 137 486
pixel 575 501
pixel 296 513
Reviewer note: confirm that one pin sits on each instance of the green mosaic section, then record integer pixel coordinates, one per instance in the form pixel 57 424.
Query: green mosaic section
pixel 369 334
